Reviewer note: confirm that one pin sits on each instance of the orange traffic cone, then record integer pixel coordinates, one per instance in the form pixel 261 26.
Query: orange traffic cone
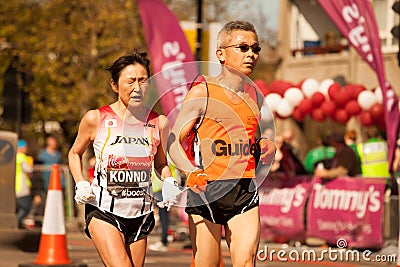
pixel 53 243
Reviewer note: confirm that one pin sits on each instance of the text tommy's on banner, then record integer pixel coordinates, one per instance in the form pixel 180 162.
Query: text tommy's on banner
pixel 356 20
pixel 168 49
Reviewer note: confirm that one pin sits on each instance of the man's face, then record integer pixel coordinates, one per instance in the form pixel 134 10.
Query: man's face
pixel 235 56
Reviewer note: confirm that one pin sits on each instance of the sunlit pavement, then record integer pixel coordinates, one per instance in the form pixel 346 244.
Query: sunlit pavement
pixel 81 250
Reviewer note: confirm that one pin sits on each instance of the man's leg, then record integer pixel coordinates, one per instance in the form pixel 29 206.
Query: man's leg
pixel 206 241
pixel 243 236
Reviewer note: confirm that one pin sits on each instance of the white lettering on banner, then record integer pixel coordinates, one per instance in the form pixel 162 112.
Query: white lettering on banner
pixel 277 221
pixel 347 200
pixel 285 197
pixel 357 34
pixel 344 226
pixel 390 95
pixel 128 176
pixel 174 71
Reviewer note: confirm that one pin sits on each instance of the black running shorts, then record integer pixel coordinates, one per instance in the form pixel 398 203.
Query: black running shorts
pixel 132 228
pixel 223 200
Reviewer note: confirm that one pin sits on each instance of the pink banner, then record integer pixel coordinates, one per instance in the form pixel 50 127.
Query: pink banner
pixel 282 205
pixel 356 20
pixel 347 209
pixel 169 50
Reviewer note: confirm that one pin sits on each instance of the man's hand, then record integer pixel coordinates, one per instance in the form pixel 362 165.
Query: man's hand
pixel 197 180
pixel 83 192
pixel 170 193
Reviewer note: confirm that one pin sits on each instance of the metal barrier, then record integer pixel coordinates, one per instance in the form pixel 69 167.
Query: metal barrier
pixel 41 176
pixel 74 213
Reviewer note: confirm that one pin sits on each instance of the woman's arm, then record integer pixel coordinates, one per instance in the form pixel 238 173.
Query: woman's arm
pixel 87 131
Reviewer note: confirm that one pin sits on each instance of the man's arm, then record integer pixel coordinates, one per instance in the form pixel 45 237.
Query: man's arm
pixel 193 107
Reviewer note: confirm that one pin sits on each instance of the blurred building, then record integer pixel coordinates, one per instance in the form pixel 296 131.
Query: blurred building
pixel 312 46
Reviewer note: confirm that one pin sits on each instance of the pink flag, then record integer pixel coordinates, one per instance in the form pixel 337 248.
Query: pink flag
pixel 169 50
pixel 356 20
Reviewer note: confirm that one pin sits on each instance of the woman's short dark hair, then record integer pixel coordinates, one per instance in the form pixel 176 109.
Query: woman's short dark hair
pixel 131 59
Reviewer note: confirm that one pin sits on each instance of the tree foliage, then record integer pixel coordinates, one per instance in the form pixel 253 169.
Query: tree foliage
pixel 67 46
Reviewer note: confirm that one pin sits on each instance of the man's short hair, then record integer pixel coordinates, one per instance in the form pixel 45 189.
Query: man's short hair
pixel 236 25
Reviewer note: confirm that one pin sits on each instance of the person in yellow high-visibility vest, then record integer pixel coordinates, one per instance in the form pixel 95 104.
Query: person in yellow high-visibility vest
pixel 374 155
pixel 22 183
pixel 163 213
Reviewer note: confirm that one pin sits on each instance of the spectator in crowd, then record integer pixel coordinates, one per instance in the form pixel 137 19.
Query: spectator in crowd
pixel 291 143
pixel 322 153
pixel 374 155
pixel 395 169
pixel 286 162
pixel 23 183
pixel 163 216
pixel 91 168
pixel 350 138
pixel 48 156
pixel 344 162
pixel 396 159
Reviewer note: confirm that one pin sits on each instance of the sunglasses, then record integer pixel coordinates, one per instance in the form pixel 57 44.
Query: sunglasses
pixel 245 47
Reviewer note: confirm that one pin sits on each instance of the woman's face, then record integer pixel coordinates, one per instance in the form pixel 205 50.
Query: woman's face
pixel 132 85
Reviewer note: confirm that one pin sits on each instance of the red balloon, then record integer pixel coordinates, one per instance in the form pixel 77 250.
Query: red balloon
pixel 263 86
pixel 333 89
pixel 341 116
pixel 366 118
pixel 318 115
pixel 298 115
pixel 353 108
pixel 306 106
pixel 329 108
pixel 349 88
pixel 280 87
pixel 377 112
pixel 300 83
pixel 341 98
pixel 357 89
pixel 317 98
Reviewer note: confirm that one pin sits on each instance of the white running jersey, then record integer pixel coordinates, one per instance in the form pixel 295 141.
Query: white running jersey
pixel 124 159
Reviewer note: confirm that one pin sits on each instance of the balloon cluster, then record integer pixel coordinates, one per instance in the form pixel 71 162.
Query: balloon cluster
pixel 321 100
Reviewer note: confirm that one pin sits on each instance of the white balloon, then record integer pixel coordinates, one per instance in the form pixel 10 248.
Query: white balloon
pixel 324 86
pixel 378 95
pixel 309 87
pixel 284 108
pixel 273 100
pixel 294 96
pixel 366 99
pixel 266 112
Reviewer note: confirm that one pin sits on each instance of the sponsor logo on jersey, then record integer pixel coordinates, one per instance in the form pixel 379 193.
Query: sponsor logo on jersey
pixel 129 163
pixel 127 192
pixel 133 193
pixel 149 125
pixel 131 140
pixel 252 120
pixel 221 148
